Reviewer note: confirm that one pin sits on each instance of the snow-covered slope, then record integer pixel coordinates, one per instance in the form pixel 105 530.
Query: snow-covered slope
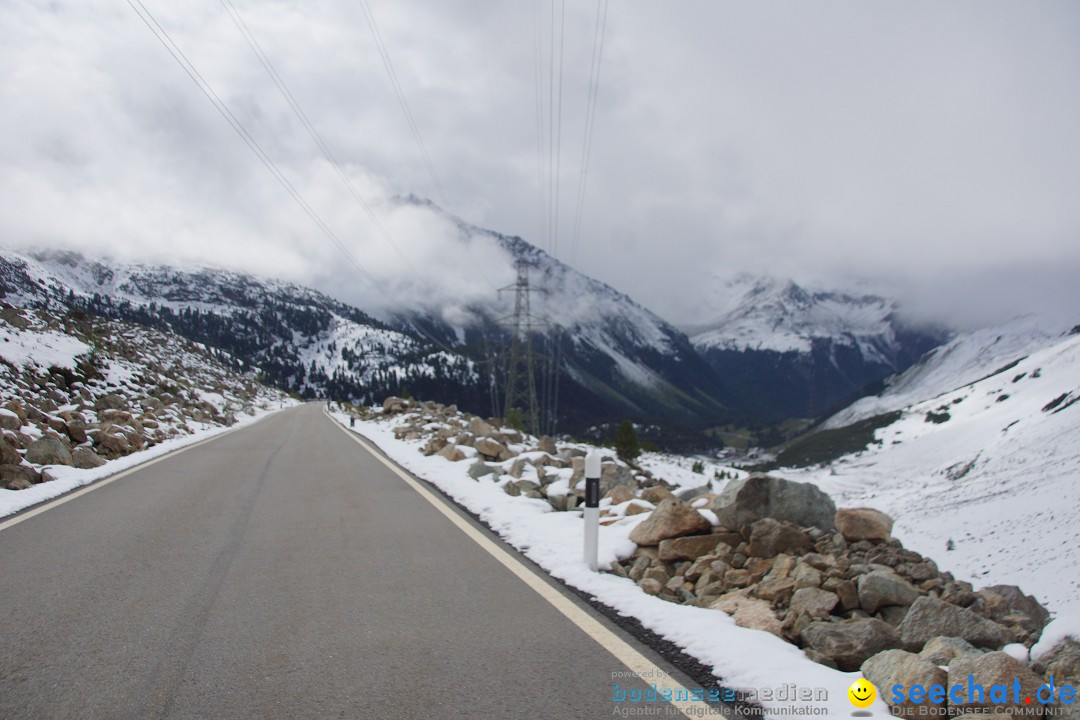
pixel 964 359
pixel 802 352
pixel 990 468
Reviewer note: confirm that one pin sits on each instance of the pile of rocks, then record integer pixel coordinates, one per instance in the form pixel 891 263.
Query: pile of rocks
pixel 834 582
pixel 537 467
pixel 137 388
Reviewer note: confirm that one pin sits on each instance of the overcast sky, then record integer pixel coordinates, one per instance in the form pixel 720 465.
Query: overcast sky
pixel 929 148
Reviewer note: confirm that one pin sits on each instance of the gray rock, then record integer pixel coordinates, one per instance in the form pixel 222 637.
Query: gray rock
pixel 995 668
pixel 942 650
pixel 850 643
pixel 1008 605
pixel 480 428
pixel 1062 661
pixel 673 518
pixel 899 667
pixel 863 524
pixel 9 455
pixel 770 537
pixel 547 444
pixel 480 469
pixel 656 494
pixel 929 617
pixel 10 421
pixel 746 500
pixel 48 450
pixel 748 612
pixel 881 588
pixel 452 453
pixel 76 430
pixel 84 457
pixel 491 449
pixel 112 401
pixel 18 477
pixel 620 494
pixel 651 586
pixel 813 602
pixel 687 548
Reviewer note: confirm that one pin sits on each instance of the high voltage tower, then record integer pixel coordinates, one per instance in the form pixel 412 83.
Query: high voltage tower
pixel 521 397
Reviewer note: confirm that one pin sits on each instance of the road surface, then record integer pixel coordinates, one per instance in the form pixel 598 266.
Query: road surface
pixel 279 571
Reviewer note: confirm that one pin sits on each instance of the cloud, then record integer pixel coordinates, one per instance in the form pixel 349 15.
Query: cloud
pixel 923 146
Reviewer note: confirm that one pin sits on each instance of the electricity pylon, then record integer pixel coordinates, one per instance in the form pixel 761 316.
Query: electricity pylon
pixel 520 368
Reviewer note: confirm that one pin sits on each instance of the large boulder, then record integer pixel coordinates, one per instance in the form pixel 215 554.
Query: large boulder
pixel 899 667
pixel 9 455
pixel 997 673
pixel 1062 661
pixel 9 420
pixel 863 524
pixel 84 457
pixel 672 518
pixel 111 441
pixel 687 548
pixel 930 617
pixel 813 602
pixel 112 401
pixel 18 477
pixel 849 644
pixel 746 500
pixel 489 448
pixel 770 537
pixel 48 450
pixel 480 428
pixel 881 587
pixel 942 650
pixel 748 612
pixel 452 453
pixel 1008 605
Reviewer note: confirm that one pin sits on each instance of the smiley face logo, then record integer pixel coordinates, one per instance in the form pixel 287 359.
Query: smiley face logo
pixel 862 693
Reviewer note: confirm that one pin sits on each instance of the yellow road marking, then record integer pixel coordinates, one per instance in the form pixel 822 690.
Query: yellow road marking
pixel 623 652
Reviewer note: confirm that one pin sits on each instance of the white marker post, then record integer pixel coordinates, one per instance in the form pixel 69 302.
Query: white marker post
pixel 592 508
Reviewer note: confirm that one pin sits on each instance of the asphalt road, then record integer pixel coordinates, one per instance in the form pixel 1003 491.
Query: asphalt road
pixel 279 571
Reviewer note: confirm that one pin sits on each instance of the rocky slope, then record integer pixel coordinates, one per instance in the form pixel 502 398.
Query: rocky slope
pixel 78 390
pixel 295 338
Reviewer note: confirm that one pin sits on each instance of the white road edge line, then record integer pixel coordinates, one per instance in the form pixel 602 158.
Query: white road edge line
pixel 619 648
pixel 94 485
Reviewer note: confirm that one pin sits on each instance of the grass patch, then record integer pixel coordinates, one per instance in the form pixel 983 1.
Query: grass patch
pixel 825 446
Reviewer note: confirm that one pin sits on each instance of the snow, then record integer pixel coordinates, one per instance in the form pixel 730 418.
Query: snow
pixel 760 313
pixel 1058 630
pixel 70 478
pixel 964 360
pixel 554 541
pixel 1000 478
pixel 43 348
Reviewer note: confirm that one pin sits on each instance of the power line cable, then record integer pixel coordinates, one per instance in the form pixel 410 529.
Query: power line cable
pixel 192 72
pixel 599 34
pixel 291 100
pixel 388 64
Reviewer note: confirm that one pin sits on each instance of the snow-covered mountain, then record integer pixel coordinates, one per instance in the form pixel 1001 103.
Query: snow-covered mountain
pixel 296 338
pixel 989 467
pixel 618 359
pixel 801 352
